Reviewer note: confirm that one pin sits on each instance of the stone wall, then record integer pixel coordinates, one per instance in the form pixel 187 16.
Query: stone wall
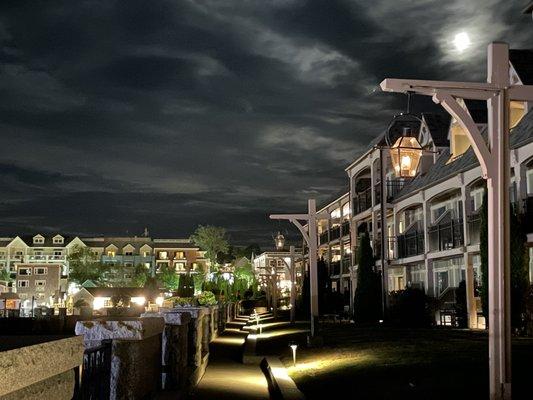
pixel 43 371
pixel 136 353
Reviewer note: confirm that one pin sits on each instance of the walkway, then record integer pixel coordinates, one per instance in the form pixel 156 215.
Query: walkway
pixel 226 377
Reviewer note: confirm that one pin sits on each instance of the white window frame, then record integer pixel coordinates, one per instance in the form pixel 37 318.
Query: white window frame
pixel 28 269
pixel 36 269
pixel 40 283
pixel 21 281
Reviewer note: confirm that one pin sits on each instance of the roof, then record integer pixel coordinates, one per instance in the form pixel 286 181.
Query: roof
pixel 521 135
pixel 337 196
pixel 115 291
pixel 48 240
pixel 9 296
pixel 528 9
pixel 522 61
pixel 438 125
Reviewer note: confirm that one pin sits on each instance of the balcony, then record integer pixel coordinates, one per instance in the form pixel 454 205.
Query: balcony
pixel 446 235
pixel 345 228
pixel 394 186
pixel 528 214
pixel 40 258
pixel 346 262
pixel 335 268
pixel 410 244
pixel 362 201
pixel 474 226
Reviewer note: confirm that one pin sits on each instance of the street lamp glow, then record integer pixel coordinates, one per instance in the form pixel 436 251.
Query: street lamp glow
pixel 462 41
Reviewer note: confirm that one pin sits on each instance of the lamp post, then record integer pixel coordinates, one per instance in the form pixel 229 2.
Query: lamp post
pixel 493 158
pixel 311 238
pixel 279 241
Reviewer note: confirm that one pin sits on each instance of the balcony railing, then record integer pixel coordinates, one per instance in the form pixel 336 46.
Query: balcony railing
pixel 446 235
pixel 335 268
pixel 528 214
pixel 410 244
pixel 345 228
pixel 474 226
pixel 46 258
pixel 362 201
pixel 324 237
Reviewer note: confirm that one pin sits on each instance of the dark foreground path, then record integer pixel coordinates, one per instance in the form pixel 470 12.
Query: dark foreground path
pixel 226 377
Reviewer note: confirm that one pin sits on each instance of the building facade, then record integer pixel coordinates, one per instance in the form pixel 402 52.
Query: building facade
pixel 425 228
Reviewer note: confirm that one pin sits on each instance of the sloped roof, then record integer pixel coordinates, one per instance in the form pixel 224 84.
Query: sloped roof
pixel 522 61
pixel 48 240
pixel 114 291
pixel 438 125
pixel 521 135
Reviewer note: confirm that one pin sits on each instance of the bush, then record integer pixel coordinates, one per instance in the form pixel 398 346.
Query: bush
pixel 206 299
pixel 186 286
pixel 410 308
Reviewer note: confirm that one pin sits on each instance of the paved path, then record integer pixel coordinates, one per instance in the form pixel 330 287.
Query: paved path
pixel 226 377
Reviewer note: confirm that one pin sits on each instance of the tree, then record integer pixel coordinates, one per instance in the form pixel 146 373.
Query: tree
pixel 367 301
pixel 140 275
pixel 519 268
pixel 84 265
pixel 211 239
pixel 243 279
pixel 186 285
pixel 169 278
pixel 5 276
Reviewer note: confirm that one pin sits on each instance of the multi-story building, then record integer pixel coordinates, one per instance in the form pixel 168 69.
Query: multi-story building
pixel 39 284
pixel 425 227
pixel 121 254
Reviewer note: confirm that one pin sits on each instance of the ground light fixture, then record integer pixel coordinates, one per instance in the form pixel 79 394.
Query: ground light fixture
pixel 294 347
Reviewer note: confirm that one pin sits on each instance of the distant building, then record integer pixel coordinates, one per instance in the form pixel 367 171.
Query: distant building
pixel 39 284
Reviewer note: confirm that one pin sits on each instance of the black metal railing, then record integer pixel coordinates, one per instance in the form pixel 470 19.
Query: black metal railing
pixel 346 262
pixel 394 186
pixel 345 228
pixel 474 226
pixel 410 244
pixel 335 232
pixel 324 237
pixel 446 235
pixel 362 201
pixel 377 192
pixel 95 379
pixel 335 268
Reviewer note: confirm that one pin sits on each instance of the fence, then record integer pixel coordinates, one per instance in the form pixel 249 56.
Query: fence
pixel 95 382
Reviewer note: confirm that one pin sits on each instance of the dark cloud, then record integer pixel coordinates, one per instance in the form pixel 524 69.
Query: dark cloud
pixel 118 115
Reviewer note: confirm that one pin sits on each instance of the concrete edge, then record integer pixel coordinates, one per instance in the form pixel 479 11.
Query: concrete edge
pixel 248 355
pixel 280 384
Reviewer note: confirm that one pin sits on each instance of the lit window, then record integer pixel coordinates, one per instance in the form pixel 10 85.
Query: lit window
pixel 111 253
pixel 163 255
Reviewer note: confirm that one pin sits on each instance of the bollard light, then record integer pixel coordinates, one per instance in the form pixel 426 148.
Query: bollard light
pixel 293 346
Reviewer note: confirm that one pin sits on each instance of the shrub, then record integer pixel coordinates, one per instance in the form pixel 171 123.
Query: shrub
pixel 410 308
pixel 206 299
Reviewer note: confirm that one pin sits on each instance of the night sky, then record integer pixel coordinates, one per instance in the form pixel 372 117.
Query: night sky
pixel 120 115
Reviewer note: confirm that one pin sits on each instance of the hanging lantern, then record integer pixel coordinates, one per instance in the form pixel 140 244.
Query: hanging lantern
pixel 279 241
pixel 405 156
pixel 406 150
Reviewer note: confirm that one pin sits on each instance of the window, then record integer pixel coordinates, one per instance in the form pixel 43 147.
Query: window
pixel 58 240
pixel 146 254
pixel 24 271
pixel 111 253
pixel 23 284
pixel 476 198
pixel 128 253
pixel 38 239
pixel 163 255
pixel 180 254
pixel 147 265
pixel 448 273
pixel 40 283
pixel 41 271
pixel 418 276
pixel 58 252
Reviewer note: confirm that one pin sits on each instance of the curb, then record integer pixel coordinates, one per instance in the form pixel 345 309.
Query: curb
pixel 280 384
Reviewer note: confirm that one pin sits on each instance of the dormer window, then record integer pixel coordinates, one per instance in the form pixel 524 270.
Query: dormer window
pixel 38 239
pixel 58 239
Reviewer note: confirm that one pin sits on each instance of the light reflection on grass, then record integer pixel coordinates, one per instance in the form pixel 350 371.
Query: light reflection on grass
pixel 324 363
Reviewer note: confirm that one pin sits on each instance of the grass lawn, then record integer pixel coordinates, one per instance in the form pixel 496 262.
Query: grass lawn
pixel 387 363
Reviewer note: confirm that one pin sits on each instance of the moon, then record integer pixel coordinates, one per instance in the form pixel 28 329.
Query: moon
pixel 462 41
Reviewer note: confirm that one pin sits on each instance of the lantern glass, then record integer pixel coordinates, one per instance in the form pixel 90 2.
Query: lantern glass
pixel 279 241
pixel 405 156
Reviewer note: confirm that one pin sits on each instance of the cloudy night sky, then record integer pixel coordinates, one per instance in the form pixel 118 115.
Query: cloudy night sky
pixel 116 115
